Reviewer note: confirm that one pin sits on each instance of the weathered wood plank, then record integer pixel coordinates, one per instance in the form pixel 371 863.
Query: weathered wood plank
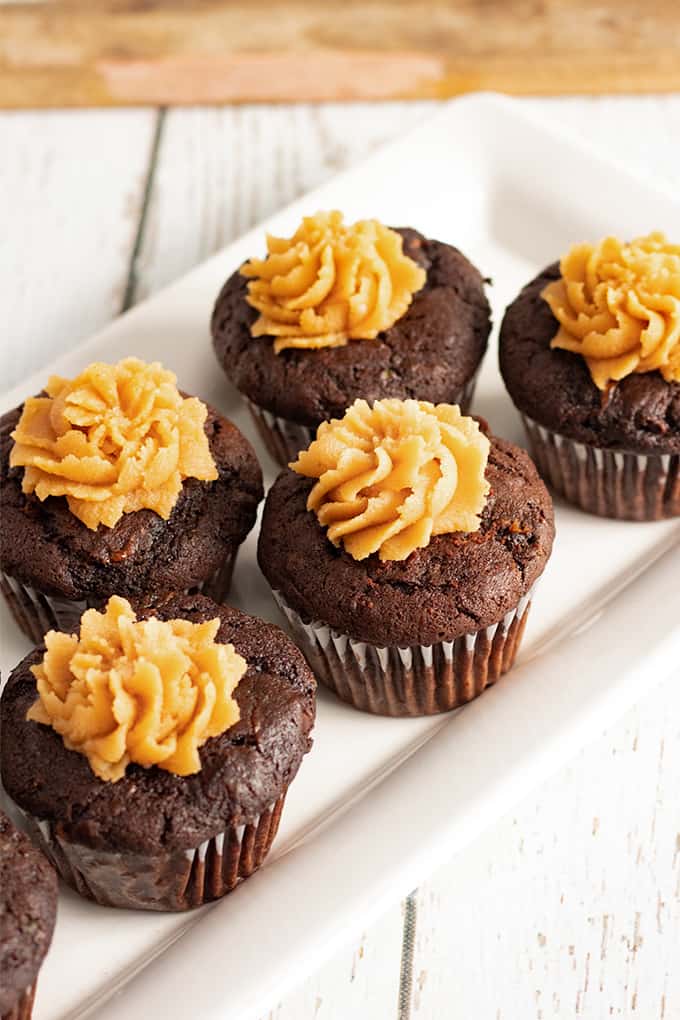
pixel 222 170
pixel 73 52
pixel 572 906
pixel 361 982
pixel 71 189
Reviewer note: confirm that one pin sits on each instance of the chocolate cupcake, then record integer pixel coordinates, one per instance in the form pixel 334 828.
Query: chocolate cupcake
pixel 404 548
pixel 341 312
pixel 28 908
pixel 590 354
pixel 116 482
pixel 152 752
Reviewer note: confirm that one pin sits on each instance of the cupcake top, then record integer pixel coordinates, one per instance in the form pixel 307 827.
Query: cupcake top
pixel 437 543
pixel 591 347
pixel 182 782
pixel 392 476
pixel 28 906
pixel 115 439
pixel 149 692
pixel 117 482
pixel 618 306
pixel 331 283
pixel 387 313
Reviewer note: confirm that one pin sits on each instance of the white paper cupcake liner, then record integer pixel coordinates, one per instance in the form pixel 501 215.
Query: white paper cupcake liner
pixel 173 880
pixel 36 613
pixel 610 483
pixel 24 1007
pixel 412 681
pixel 284 439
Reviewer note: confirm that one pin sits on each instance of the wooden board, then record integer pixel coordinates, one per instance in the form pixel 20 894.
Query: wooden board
pixel 168 52
pixel 72 188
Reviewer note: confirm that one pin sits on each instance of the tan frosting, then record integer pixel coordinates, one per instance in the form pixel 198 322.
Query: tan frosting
pixel 618 305
pixel 330 283
pixel 118 438
pixel 150 692
pixel 393 475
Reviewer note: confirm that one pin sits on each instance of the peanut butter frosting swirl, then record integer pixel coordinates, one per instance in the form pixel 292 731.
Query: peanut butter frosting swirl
pixel 331 283
pixel 116 439
pixel 618 305
pixel 144 691
pixel 393 475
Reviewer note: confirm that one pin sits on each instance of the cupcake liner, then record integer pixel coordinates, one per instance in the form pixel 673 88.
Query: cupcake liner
pixel 173 880
pixel 284 439
pixel 610 483
pixel 24 1007
pixel 412 681
pixel 36 613
pixel 216 587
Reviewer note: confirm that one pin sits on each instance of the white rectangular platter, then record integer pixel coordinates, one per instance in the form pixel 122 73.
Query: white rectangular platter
pixel 380 802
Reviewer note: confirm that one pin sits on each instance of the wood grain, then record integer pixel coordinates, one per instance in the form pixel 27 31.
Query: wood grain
pixel 114 52
pixel 71 190
pixel 360 983
pixel 570 908
pixel 221 171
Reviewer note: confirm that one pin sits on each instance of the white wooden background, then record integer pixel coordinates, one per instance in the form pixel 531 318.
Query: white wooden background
pixel 571 906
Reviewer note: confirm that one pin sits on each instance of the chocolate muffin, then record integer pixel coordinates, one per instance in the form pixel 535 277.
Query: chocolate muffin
pixel 614 448
pixel 53 564
pixel 28 907
pixel 420 634
pixel 432 351
pixel 154 839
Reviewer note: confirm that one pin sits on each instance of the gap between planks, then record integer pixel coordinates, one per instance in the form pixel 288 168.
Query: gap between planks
pixel 408 950
pixel 129 295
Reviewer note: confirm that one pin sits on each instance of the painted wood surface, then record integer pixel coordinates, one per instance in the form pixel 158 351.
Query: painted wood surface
pixel 79 53
pixel 361 982
pixel 71 192
pixel 571 907
pixel 220 171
